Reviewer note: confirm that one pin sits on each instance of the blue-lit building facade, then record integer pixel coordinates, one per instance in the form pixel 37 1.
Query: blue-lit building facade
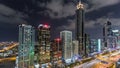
pixel 96 45
pixel 26 46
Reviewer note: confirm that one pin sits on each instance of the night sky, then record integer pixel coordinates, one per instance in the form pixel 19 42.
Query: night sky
pixel 60 14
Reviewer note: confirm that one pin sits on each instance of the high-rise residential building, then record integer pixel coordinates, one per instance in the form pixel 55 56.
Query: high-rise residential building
pixel 76 56
pixel 75 47
pixel 56 50
pixel 66 42
pixel 107 34
pixel 80 27
pixel 44 44
pixel 26 46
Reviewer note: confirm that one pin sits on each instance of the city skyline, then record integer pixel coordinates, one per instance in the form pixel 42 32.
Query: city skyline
pixel 60 18
pixel 60 33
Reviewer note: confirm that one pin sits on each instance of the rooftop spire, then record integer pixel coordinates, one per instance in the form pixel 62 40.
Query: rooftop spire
pixel 80 5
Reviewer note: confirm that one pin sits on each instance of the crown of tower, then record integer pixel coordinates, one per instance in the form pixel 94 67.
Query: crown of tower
pixel 80 5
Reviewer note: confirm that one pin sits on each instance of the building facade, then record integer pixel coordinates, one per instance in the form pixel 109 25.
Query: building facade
pixel 26 46
pixel 44 44
pixel 96 45
pixel 87 45
pixel 107 34
pixel 75 47
pixel 80 27
pixel 66 42
pixel 56 50
pixel 116 35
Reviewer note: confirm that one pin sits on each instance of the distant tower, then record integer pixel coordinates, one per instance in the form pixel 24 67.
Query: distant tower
pixel 116 35
pixel 66 41
pixel 44 43
pixel 87 45
pixel 107 33
pixel 26 46
pixel 80 27
pixel 96 45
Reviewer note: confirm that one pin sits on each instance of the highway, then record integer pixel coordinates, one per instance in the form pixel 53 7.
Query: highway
pixel 7 59
pixel 105 58
pixel 9 47
pixel 88 64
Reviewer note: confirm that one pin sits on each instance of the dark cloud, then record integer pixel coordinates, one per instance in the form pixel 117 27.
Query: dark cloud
pixel 9 15
pixel 59 13
pixel 58 9
pixel 97 4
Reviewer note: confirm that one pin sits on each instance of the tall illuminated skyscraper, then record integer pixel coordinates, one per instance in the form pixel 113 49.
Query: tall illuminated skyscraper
pixel 66 41
pixel 44 44
pixel 80 27
pixel 26 46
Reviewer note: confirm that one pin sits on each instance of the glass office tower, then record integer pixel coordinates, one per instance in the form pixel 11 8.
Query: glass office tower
pixel 26 46
pixel 80 27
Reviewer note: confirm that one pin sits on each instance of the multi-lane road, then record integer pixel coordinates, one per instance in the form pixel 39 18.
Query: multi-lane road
pixel 9 47
pixel 98 60
pixel 88 64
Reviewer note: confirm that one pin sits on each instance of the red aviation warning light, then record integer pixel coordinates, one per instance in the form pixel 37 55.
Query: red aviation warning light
pixel 46 26
pixel 58 39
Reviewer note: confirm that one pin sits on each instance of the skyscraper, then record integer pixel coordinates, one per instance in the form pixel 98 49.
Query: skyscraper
pixel 44 43
pixel 96 45
pixel 26 46
pixel 56 50
pixel 107 33
pixel 66 42
pixel 75 47
pixel 116 35
pixel 80 27
pixel 87 45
